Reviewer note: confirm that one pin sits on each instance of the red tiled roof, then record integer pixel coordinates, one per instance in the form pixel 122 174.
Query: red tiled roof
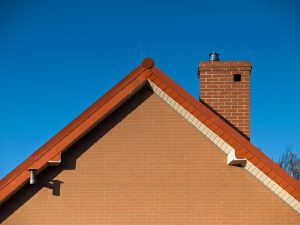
pixel 52 149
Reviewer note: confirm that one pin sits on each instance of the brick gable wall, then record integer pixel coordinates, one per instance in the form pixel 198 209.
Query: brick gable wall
pixel 145 165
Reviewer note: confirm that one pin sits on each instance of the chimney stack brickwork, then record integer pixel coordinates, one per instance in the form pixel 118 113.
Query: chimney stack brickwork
pixel 225 87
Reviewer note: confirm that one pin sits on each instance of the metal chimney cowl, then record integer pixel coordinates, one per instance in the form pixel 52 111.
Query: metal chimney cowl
pixel 214 56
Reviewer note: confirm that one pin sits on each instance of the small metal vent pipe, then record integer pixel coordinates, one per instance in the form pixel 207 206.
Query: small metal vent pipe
pixel 214 56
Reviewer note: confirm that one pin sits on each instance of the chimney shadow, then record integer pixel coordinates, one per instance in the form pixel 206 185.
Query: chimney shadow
pixel 48 177
pixel 224 119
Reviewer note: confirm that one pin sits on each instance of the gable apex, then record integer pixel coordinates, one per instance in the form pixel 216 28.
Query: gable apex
pixel 197 113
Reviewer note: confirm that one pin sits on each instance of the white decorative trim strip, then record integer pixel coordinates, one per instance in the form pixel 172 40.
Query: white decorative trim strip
pixel 226 148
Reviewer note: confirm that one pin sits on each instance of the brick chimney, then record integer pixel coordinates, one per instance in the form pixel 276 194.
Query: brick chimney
pixel 225 87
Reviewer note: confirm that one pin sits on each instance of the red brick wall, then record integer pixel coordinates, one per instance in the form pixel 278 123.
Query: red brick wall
pixel 230 99
pixel 145 165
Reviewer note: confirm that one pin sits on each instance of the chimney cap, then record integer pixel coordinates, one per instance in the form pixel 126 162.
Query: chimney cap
pixel 214 56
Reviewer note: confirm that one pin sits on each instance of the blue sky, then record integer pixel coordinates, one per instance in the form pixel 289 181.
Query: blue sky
pixel 58 57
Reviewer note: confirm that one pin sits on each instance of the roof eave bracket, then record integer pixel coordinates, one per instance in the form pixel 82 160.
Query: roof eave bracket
pixel 232 160
pixel 55 161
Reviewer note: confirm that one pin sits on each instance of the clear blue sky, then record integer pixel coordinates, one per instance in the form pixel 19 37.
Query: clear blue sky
pixel 57 57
